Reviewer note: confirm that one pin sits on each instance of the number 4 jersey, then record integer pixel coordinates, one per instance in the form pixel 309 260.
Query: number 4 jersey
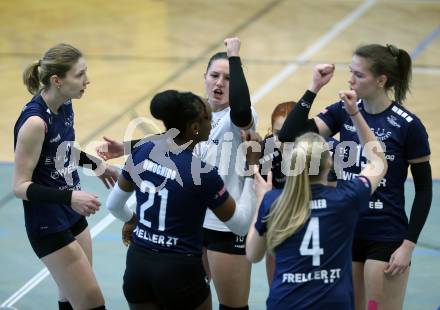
pixel 173 192
pixel 313 266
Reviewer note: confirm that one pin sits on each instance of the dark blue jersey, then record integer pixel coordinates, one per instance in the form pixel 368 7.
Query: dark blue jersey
pixel 172 195
pixel 313 266
pixel 55 167
pixel 405 138
pixel 271 160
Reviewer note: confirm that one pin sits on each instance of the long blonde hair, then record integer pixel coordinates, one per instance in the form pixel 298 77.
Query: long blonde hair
pixel 292 209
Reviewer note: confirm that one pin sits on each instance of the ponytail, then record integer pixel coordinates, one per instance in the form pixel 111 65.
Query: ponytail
pixel 56 61
pixel 31 78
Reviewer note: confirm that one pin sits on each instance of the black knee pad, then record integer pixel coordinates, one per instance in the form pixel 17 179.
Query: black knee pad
pixel 223 307
pixel 64 305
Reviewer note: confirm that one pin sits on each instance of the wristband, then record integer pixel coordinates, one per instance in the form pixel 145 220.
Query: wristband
pixel 40 193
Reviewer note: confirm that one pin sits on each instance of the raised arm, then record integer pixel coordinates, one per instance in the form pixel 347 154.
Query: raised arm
pixel 298 122
pixel 239 98
pixel 377 166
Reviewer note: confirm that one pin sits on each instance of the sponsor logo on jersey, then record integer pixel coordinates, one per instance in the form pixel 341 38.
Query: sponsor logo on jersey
pixel 54 175
pixel 376 204
pixel 350 127
pixel 393 121
pixel 63 172
pixel 390 157
pixel 380 134
pixel 326 276
pixel 49 160
pixel 161 240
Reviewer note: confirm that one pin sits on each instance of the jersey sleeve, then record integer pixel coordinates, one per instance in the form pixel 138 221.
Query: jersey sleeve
pixel 416 143
pixel 358 190
pixel 126 174
pixel 212 188
pixel 28 111
pixel 332 116
pixel 263 212
pixel 130 168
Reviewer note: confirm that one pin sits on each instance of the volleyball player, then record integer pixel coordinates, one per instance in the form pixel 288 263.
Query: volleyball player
pixel 384 240
pixel 45 176
pixel 309 225
pixel 228 95
pixel 231 112
pixel 164 265
pixel 272 159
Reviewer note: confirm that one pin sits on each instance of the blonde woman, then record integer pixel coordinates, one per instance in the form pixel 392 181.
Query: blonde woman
pixel 47 180
pixel 309 225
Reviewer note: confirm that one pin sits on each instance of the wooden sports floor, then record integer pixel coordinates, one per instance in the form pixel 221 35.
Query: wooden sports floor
pixel 136 48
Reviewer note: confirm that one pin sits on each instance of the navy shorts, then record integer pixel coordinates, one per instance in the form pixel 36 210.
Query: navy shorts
pixel 45 245
pixel 377 250
pixel 172 280
pixel 224 242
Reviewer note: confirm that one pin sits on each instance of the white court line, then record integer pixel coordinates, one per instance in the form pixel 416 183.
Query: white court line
pixel 311 50
pixel 260 93
pixel 40 276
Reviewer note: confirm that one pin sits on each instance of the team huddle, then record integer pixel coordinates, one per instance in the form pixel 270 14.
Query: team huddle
pixel 321 199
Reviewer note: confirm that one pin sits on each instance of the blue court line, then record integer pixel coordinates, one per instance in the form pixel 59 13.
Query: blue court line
pixel 425 43
pixel 426 252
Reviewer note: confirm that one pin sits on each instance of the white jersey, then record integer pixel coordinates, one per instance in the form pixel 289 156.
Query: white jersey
pixel 222 151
